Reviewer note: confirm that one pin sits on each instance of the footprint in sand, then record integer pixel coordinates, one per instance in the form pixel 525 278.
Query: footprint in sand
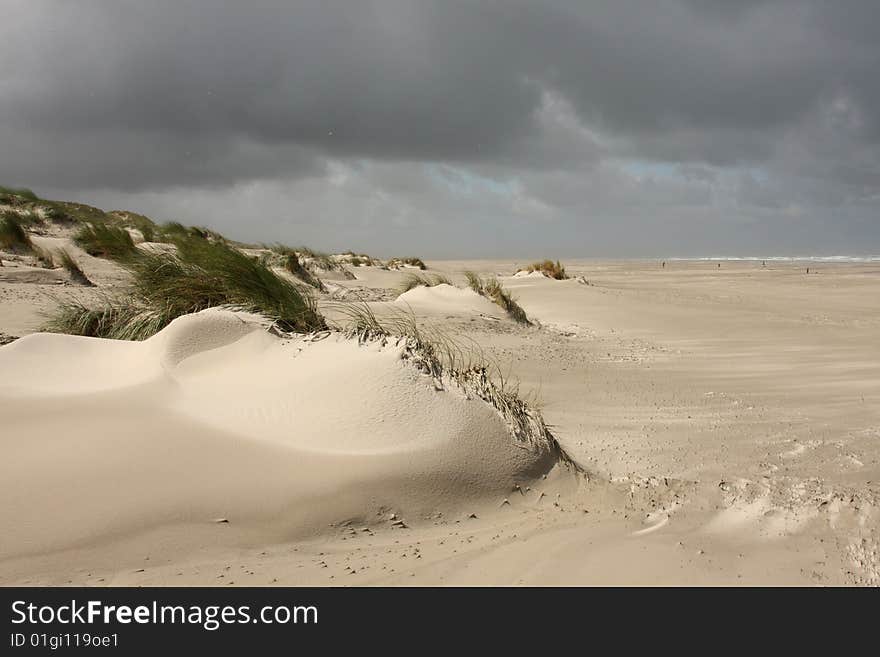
pixel 799 449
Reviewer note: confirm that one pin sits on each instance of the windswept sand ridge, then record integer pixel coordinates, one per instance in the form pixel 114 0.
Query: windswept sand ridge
pixel 438 305
pixel 449 300
pixel 215 418
pixel 48 364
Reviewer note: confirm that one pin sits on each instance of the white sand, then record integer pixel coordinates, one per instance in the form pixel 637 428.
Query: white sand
pixel 215 418
pixel 444 300
pixel 729 419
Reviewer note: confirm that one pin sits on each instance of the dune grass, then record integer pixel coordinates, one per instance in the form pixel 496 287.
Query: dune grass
pixel 294 266
pixel 105 241
pixel 74 213
pixel 318 259
pixel 73 269
pixel 147 231
pixel 30 218
pixel 204 274
pixel 200 275
pixel 13 236
pixel 418 280
pixel 114 319
pixel 146 226
pixel 173 229
pixel 450 363
pixel 396 263
pixel 353 259
pixel 474 282
pixel 292 263
pixel 45 257
pixel 549 268
pixel 23 192
pixel 310 253
pixel 360 320
pixel 492 289
pixel 199 231
pixel 55 213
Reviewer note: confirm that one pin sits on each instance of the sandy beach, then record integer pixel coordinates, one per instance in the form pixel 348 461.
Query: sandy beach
pixel 722 425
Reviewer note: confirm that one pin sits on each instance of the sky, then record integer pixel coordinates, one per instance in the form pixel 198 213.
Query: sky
pixel 451 128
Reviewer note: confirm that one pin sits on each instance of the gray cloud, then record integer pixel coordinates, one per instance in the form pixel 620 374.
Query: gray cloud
pixel 390 121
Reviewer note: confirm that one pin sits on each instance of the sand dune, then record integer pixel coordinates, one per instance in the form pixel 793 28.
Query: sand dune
pixel 727 420
pixel 215 418
pixel 447 300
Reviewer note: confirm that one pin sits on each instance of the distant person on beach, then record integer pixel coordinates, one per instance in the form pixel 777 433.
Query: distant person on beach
pixel 664 264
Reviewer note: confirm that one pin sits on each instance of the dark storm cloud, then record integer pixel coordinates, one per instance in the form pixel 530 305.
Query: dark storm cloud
pixel 348 78
pixel 148 96
pixel 429 80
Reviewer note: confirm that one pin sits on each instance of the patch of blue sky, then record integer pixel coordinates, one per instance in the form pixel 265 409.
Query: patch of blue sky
pixel 465 183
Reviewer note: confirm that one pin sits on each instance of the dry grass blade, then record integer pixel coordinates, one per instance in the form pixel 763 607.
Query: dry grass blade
pixel 475 282
pixel 13 236
pixel 492 289
pixel 295 267
pixel 113 319
pixel 105 241
pixel 73 269
pixel 549 268
pixel 418 280
pixel 200 275
pixel 290 260
pixel 45 257
pixel 449 363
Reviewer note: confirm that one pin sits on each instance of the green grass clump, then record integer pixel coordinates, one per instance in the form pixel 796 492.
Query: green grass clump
pixel 205 233
pixel 105 241
pixel 57 215
pixel 23 192
pixel 30 218
pixel 13 236
pixel 173 230
pixel 143 224
pixel 204 274
pixel 492 289
pixel 69 212
pixel 200 275
pixel 116 320
pixel 549 268
pixel 416 280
